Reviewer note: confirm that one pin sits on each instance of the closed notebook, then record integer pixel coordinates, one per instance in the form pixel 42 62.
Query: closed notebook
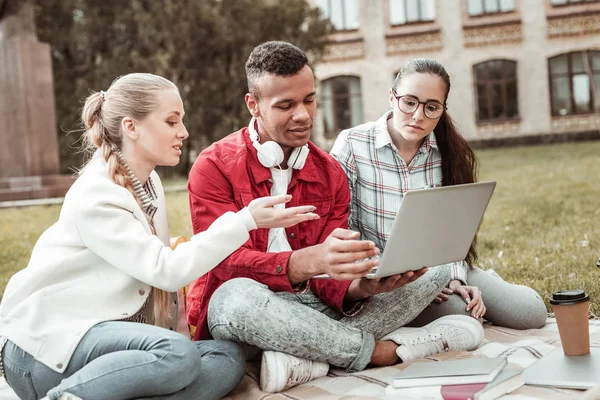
pixel 504 383
pixel 450 372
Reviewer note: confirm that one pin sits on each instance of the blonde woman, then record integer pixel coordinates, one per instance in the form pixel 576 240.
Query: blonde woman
pixel 79 321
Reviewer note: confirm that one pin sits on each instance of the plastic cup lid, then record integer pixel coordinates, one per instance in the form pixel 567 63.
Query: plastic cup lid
pixel 564 297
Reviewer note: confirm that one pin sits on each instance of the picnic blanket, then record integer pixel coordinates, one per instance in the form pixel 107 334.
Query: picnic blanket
pixel 522 348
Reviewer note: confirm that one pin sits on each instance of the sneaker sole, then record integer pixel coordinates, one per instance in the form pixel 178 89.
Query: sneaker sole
pixel 271 378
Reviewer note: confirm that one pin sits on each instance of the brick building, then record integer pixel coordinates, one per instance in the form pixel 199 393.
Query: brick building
pixel 519 68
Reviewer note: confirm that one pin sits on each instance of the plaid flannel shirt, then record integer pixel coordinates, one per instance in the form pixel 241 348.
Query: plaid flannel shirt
pixel 379 178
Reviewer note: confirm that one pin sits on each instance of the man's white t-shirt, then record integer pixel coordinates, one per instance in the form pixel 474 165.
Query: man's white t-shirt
pixel 277 238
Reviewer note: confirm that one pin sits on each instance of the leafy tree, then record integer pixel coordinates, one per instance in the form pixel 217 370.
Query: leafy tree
pixel 201 45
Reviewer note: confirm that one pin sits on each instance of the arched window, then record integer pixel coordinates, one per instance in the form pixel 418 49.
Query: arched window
pixel 575 83
pixel 496 90
pixel 342 104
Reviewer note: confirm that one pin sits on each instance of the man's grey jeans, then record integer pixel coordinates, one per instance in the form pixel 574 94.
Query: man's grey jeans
pixel 243 310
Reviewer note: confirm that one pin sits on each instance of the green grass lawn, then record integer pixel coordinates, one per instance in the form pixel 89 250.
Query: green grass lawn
pixel 541 229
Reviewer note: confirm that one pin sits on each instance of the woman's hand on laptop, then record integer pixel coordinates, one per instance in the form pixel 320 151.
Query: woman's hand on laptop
pixel 472 296
pixel 363 288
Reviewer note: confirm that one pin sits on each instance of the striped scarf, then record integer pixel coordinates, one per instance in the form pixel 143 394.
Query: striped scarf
pixel 146 194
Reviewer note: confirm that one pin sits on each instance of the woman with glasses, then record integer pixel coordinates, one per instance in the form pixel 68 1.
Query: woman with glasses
pixel 416 145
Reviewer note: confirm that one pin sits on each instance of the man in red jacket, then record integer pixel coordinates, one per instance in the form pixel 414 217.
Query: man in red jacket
pixel 263 294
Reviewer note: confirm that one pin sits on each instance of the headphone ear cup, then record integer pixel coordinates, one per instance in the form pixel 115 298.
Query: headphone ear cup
pixel 298 157
pixel 269 154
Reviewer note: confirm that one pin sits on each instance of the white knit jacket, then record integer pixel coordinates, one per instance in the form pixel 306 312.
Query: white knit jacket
pixel 97 263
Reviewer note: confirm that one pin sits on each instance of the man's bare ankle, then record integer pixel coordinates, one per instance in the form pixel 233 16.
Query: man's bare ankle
pixel 384 354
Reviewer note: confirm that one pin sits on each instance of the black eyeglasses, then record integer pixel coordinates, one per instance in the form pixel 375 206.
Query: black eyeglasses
pixel 408 104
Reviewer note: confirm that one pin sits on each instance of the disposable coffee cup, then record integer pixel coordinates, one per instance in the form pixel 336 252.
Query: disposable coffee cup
pixel 571 310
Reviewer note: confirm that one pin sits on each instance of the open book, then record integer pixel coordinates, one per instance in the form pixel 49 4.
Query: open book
pixel 450 372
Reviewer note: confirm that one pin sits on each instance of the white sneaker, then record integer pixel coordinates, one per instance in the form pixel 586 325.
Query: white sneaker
pixel 452 332
pixel 280 371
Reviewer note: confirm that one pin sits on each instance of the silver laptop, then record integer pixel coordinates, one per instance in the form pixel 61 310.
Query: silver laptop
pixel 558 370
pixel 433 227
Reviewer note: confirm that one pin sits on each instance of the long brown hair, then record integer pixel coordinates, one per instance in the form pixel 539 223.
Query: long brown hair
pixel 135 96
pixel 459 164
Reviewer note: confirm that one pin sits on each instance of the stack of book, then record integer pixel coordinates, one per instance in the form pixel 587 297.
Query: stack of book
pixel 468 379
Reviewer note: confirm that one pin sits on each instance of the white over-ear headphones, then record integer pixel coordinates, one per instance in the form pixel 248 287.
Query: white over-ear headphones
pixel 270 153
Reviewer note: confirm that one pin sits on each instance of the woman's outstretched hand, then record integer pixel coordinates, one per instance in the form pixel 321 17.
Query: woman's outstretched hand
pixel 267 216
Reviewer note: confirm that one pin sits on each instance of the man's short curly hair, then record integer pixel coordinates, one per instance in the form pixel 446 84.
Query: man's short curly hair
pixel 275 57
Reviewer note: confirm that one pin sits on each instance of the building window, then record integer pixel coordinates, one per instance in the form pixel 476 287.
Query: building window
pixel 408 11
pixel 567 2
pixel 343 14
pixel 575 83
pixel 496 90
pixel 342 104
pixel 484 7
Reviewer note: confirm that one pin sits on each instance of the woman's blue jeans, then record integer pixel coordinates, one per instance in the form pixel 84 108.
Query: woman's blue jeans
pixel 126 360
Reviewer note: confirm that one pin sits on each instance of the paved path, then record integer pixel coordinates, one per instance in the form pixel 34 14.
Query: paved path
pixel 59 200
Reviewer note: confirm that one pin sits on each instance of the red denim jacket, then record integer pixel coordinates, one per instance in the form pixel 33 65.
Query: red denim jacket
pixel 226 177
